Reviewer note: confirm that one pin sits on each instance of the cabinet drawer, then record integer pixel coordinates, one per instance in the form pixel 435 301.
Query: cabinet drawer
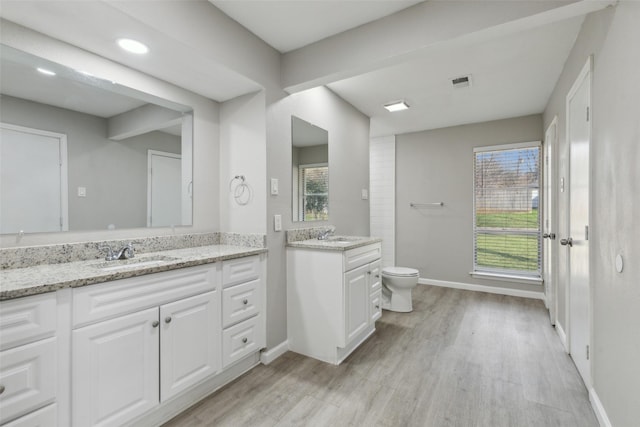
pixel 375 278
pixel 375 309
pixel 240 270
pixel 99 302
pixel 28 375
pixel 240 302
pixel 44 417
pixel 240 340
pixel 357 257
pixel 27 319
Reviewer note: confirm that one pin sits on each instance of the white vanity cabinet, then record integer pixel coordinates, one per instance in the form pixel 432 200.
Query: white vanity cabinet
pixel 28 361
pixel 130 330
pixel 333 299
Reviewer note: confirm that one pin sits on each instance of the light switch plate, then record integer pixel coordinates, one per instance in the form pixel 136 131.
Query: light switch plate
pixel 277 223
pixel 274 186
pixel 82 192
pixel 365 194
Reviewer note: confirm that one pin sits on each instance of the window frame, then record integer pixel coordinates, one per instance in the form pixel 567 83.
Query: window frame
pixel 302 192
pixel 507 274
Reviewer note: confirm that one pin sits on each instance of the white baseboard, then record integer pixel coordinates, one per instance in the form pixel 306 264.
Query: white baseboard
pixel 272 354
pixel 596 404
pixel 563 337
pixel 483 288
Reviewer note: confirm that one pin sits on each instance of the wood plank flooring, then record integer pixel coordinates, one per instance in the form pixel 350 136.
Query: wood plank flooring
pixel 461 358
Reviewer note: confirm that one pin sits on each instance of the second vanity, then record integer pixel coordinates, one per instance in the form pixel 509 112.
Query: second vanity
pixel 333 295
pixel 129 342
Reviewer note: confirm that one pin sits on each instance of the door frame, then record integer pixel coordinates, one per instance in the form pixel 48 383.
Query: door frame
pixel 585 72
pixel 150 154
pixel 550 212
pixel 64 166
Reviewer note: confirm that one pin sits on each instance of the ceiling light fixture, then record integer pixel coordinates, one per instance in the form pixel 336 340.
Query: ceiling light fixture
pixel 396 106
pixel 133 46
pixel 45 71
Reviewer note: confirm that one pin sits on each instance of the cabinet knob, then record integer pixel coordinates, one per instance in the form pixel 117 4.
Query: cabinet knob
pixel 368 272
pixel 377 307
pixel 155 323
pixel 167 319
pixel 377 276
pixel 244 340
pixel 1 389
pixel 245 301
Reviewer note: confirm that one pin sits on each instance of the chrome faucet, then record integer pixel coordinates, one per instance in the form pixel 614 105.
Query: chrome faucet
pixel 325 234
pixel 125 252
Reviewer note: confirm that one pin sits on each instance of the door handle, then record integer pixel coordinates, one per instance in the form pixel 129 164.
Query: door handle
pixel 551 236
pixel 566 242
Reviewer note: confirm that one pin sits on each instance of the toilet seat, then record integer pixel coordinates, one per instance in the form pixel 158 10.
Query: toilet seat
pixel 400 272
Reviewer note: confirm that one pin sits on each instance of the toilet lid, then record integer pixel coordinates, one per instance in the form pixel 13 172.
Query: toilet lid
pixel 400 271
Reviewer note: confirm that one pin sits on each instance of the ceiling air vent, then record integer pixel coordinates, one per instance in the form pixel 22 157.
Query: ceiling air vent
pixel 460 82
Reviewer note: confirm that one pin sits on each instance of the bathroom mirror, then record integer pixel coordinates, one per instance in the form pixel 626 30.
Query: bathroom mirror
pixel 309 171
pixel 79 153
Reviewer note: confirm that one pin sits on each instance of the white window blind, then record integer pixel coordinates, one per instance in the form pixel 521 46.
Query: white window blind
pixel 507 217
pixel 314 183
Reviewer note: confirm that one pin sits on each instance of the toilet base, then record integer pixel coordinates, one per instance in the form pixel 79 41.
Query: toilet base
pixel 398 300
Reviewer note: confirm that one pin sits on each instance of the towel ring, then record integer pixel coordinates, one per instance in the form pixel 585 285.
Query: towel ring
pixel 242 191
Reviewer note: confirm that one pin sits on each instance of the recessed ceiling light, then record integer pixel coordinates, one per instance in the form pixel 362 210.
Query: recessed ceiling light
pixel 396 106
pixel 133 46
pixel 45 71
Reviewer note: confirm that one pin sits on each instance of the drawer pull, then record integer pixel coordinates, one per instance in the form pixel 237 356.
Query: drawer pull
pixel 377 276
pixel 368 272
pixel 377 307
pixel 1 389
pixel 155 323
pixel 245 301
pixel 167 319
pixel 244 340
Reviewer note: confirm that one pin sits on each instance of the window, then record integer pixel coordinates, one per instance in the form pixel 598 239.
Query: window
pixel 314 185
pixel 506 217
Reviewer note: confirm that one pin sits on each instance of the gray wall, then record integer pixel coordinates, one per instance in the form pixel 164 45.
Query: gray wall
pixel 613 37
pixel 348 175
pixel 437 166
pixel 113 172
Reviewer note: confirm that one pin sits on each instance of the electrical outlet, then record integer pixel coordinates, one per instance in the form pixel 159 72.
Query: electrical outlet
pixel 82 192
pixel 365 194
pixel 274 186
pixel 277 223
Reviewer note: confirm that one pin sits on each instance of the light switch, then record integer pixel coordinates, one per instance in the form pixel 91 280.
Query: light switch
pixel 274 186
pixel 277 222
pixel 365 194
pixel 82 192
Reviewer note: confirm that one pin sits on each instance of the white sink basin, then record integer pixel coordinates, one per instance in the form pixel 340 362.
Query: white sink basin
pixel 134 263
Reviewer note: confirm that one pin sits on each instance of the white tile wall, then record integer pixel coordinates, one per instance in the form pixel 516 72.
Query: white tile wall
pixel 382 197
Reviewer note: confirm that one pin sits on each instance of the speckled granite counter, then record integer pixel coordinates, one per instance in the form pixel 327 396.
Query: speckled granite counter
pixel 19 282
pixel 335 243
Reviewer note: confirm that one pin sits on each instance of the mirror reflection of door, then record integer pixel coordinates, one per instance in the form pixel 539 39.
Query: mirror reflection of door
pixel 309 171
pixel 164 196
pixel 33 180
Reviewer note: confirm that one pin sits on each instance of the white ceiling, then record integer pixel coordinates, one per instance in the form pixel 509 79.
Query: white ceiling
pixel 291 24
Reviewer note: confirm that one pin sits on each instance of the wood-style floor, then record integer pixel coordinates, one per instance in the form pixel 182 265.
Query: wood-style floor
pixel 461 358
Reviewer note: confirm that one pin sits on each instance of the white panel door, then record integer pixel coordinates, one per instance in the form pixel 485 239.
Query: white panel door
pixel 164 192
pixel 550 248
pixel 579 134
pixel 356 301
pixel 189 346
pixel 115 367
pixel 33 193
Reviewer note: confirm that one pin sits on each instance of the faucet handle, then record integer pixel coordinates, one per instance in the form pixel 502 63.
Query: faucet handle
pixel 108 250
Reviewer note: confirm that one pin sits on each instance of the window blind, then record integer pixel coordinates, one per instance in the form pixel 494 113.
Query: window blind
pixel 507 218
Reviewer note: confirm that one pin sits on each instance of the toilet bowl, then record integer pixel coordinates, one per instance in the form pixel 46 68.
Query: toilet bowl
pixel 397 283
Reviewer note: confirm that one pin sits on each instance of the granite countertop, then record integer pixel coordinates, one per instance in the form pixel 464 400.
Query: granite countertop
pixel 335 243
pixel 19 282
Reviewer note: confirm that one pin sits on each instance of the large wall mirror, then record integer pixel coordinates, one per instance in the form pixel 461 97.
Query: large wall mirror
pixel 310 171
pixel 78 153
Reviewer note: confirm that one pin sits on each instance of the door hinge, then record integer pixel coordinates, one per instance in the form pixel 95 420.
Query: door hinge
pixel 586 232
pixel 587 113
pixel 587 352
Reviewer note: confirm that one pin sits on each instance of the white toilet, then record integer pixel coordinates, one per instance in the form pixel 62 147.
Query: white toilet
pixel 397 283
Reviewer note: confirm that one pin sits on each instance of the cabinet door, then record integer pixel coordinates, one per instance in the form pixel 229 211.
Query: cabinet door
pixel 189 348
pixel 115 367
pixel 356 300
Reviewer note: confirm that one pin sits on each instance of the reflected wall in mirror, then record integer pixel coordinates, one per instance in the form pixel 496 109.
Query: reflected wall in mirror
pixel 310 171
pixel 78 153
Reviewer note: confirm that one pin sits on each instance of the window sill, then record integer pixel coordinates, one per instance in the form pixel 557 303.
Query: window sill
pixel 506 278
